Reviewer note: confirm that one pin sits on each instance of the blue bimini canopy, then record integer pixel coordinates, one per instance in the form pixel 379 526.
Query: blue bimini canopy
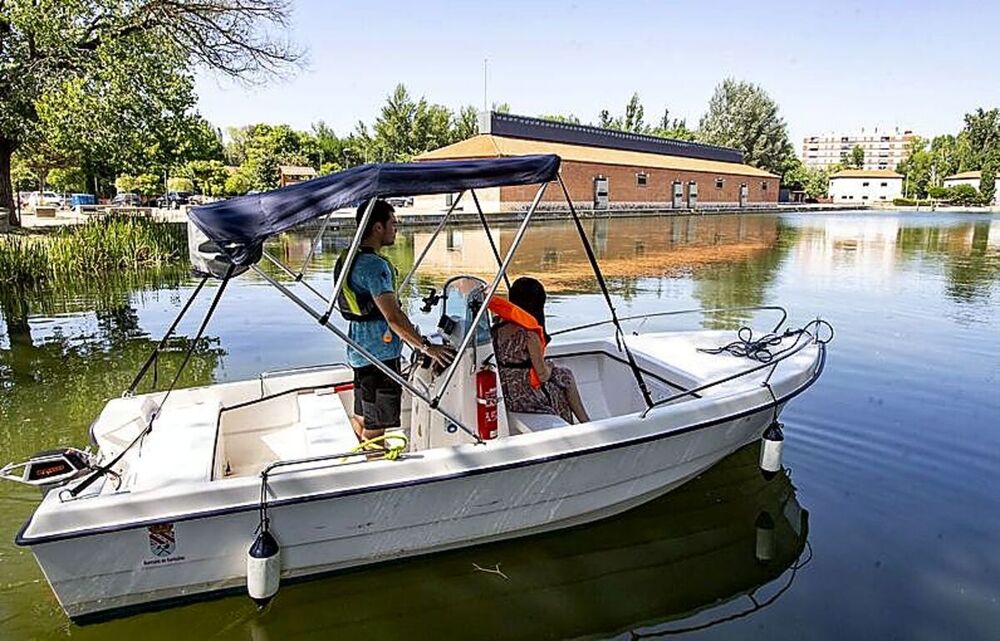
pixel 241 225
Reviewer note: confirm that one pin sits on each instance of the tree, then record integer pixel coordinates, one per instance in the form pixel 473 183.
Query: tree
pixel 633 120
pixel 68 179
pixel 262 148
pixel 206 176
pixel 987 184
pixel 634 114
pixel 982 131
pixel 742 115
pixel 945 160
pixel 466 123
pixel 855 159
pixel 964 195
pixel 815 182
pixel 569 120
pixel 917 168
pixel 108 67
pixel 675 128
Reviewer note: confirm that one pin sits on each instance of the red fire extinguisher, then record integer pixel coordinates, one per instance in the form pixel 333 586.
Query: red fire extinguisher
pixel 486 402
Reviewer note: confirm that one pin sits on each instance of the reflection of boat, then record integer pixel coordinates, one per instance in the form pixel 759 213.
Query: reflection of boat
pixel 180 487
pixel 689 550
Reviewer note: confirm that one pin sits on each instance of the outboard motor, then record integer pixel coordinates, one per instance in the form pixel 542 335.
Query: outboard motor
pixel 49 469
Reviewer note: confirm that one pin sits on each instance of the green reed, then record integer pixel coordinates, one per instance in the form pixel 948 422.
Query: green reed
pixel 101 246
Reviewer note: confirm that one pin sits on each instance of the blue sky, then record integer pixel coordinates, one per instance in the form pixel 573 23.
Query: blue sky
pixel 830 66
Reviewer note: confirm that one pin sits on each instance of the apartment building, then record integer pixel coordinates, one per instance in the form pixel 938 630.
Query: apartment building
pixel 884 148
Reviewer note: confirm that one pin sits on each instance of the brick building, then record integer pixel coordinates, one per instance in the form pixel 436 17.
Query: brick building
pixel 607 169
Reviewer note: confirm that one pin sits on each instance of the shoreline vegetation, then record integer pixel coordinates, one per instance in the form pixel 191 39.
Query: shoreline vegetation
pixel 95 248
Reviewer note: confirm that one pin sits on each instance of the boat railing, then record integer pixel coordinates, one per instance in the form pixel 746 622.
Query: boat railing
pixel 681 312
pixel 291 371
pixel 772 362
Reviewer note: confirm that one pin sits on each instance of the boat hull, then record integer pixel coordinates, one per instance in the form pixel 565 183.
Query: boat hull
pixel 110 571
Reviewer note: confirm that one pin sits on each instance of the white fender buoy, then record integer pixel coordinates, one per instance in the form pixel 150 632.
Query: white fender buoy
pixel 770 450
pixel 765 537
pixel 263 568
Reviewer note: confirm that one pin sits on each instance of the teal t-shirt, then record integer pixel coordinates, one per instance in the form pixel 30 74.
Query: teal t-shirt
pixel 373 276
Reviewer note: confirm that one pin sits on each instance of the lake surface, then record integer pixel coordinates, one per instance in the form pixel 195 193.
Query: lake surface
pixel 887 521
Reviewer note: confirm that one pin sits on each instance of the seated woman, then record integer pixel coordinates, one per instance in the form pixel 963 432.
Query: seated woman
pixel 530 383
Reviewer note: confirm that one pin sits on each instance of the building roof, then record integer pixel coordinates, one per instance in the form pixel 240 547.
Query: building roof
pixel 295 170
pixel 966 175
pixel 490 146
pixel 513 126
pixel 865 173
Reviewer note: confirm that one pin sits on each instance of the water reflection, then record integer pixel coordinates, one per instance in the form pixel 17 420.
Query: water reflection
pixel 628 249
pixel 72 346
pixel 894 455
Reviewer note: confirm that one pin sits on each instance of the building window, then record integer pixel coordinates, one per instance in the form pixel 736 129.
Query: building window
pixel 864 198
pixel 641 179
pixel 763 185
pixel 864 184
pixel 719 182
pixel 885 184
pixel 881 197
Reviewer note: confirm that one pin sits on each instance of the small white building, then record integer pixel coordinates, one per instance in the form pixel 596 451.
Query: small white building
pixel 865 186
pixel 971 178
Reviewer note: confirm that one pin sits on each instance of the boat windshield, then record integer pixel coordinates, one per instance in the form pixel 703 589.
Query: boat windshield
pixel 463 296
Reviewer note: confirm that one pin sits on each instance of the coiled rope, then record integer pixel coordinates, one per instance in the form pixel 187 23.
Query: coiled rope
pixel 760 349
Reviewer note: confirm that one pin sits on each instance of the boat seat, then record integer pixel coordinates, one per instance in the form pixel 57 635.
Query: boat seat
pixel 524 423
pixel 180 447
pixel 324 420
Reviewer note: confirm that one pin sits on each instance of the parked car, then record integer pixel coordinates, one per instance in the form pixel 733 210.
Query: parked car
pixel 400 201
pixel 127 199
pixel 174 199
pixel 46 199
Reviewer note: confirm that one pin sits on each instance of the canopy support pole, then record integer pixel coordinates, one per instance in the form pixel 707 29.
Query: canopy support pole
pixel 382 367
pixel 471 333
pixel 489 236
pixel 296 277
pixel 427 247
pixel 351 253
pixel 607 297
pixel 163 341
pixel 312 247
pixel 104 469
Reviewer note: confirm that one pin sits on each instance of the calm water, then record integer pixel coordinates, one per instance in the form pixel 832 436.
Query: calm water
pixel 887 523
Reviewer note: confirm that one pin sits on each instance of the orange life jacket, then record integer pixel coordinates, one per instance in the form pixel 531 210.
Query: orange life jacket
pixel 514 314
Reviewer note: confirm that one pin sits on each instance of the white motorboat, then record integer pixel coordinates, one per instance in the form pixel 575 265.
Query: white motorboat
pixel 183 481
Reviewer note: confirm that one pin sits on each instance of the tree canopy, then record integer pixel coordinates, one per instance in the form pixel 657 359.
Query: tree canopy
pixel 742 115
pixel 108 82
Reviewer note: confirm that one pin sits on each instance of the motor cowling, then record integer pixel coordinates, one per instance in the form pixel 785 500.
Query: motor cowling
pixel 486 403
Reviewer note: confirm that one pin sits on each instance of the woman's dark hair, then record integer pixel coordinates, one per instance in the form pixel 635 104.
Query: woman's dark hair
pixel 529 295
pixel 380 214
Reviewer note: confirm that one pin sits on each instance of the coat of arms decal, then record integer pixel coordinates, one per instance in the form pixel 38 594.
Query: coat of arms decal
pixel 162 541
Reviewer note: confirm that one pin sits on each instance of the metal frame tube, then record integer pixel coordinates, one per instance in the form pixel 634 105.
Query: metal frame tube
pixel 795 349
pixel 489 235
pixel 382 367
pixel 297 277
pixel 776 308
pixel 351 253
pixel 427 248
pixel 471 333
pixel 312 248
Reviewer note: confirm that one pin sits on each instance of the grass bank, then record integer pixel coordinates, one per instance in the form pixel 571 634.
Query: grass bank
pixel 101 246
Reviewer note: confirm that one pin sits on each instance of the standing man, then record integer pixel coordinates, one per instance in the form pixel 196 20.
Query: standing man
pixel 378 323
